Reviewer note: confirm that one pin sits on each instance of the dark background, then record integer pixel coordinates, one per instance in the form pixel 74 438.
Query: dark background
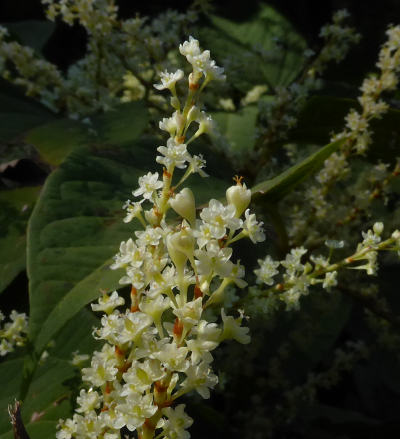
pixel 370 17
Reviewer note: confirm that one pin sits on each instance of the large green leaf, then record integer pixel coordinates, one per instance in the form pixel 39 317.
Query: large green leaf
pixel 276 188
pixel 120 127
pixel 18 113
pixel 55 140
pixel 238 127
pixel 263 50
pixel 77 227
pixel 15 208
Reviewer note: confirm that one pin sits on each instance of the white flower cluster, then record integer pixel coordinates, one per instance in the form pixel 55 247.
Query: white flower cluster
pixel 13 333
pixel 298 276
pixel 37 76
pixel 357 137
pixel 339 39
pixel 159 347
pixel 357 123
pixel 96 16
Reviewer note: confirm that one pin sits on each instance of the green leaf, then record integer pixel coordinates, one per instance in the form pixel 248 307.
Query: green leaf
pixel 19 113
pixel 238 127
pixel 51 388
pixel 11 378
pixel 276 188
pixel 55 140
pixel 119 127
pixel 15 208
pixel 252 47
pixel 77 227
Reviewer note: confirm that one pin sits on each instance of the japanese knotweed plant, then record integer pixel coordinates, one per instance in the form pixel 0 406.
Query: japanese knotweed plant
pixel 158 348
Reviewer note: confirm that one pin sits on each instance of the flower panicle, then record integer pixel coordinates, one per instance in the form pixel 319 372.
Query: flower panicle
pixel 173 268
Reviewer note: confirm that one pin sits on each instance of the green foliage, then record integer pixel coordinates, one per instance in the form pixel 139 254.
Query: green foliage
pixel 18 114
pixel 120 127
pixel 238 127
pixel 15 208
pixel 252 44
pixel 51 389
pixel 278 187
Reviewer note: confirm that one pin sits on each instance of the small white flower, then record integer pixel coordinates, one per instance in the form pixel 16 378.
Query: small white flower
pixel 220 217
pixel 197 163
pixel 108 303
pixel 214 260
pixel 267 270
pixel 233 330
pixel 207 339
pixel 173 357
pixel 149 236
pixel 200 378
pixel 135 411
pixel 141 375
pixel 330 280
pixel 134 324
pixel 206 124
pixel 253 228
pixel 88 401
pixel 190 48
pixel 133 210
pixel 174 154
pixel 176 423
pixel 168 80
pixel 189 313
pixel 148 184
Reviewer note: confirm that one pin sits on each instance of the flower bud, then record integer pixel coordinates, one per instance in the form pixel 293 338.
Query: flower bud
pixel 184 241
pixel 184 205
pixel 178 258
pixel 396 234
pixel 378 228
pixel 193 114
pixel 239 196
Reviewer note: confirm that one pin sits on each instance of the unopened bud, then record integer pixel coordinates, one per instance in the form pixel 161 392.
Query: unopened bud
pixel 184 241
pixel 239 196
pixel 193 114
pixel 178 258
pixel 396 234
pixel 184 205
pixel 378 228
